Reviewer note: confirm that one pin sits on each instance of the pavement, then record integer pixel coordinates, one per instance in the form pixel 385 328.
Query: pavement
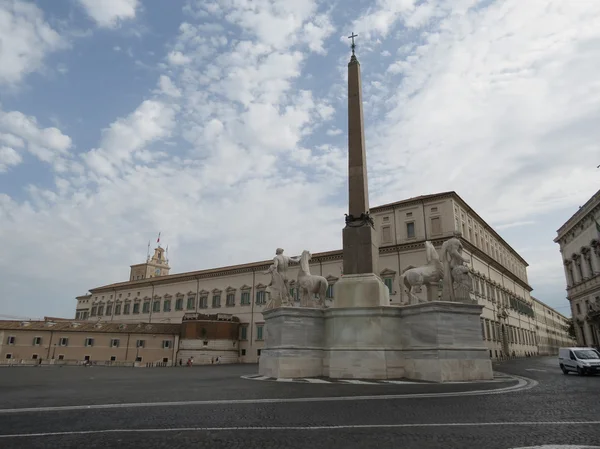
pixel 214 407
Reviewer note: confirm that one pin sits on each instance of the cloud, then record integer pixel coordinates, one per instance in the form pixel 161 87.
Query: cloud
pixel 167 87
pixel 126 137
pixel 23 132
pixel 225 153
pixel 8 158
pixel 25 40
pixel 110 13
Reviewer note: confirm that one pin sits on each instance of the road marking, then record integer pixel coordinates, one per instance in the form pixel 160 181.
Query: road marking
pixel 283 379
pixel 523 383
pixel 357 382
pixel 275 428
pixel 535 369
pixel 316 381
pixel 400 382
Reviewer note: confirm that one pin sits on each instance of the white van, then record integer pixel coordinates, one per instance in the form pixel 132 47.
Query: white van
pixel 582 360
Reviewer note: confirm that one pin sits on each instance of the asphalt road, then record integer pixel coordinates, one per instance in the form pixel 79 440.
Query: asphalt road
pixel 212 407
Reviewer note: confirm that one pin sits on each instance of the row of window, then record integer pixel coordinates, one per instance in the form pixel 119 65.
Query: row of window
pixel 435 228
pixel 492 331
pixel 88 342
pixel 127 308
pixel 244 332
pixel 486 290
pixel 113 358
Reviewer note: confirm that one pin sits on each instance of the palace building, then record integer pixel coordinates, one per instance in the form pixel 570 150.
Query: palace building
pixel 509 322
pixel 579 241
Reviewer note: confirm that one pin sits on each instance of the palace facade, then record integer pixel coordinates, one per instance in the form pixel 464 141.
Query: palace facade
pixel 579 241
pixel 509 321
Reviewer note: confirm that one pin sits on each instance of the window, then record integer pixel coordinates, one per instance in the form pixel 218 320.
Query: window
pixel 245 297
pixel 410 230
pixel 89 342
pixel 86 358
pixel 11 340
pixel 386 234
pixel 9 356
pixel 101 310
pixel 109 309
pixel 113 358
pixel 37 341
pixel 63 341
pixel 94 311
pixel 145 308
pixel 140 344
pixel 191 303
pixel 244 333
pixel 118 309
pixel 230 301
pixel 167 305
pixel 136 308
pixel 61 356
pixel 179 303
pixel 34 356
pixel 259 331
pixel 166 344
pixel 138 359
pixel 165 360
pixel 329 293
pixel 389 282
pixel 216 301
pixel 482 328
pixel 258 352
pixel 243 352
pixel 260 297
pixel 436 225
pixel 203 304
pixel 578 308
pixel 156 306
pixel 114 343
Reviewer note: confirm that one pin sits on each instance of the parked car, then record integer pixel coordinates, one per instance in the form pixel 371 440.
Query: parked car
pixel 582 360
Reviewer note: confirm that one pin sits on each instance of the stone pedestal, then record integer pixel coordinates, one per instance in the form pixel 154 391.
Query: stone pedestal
pixel 437 341
pixel 293 344
pixel 363 343
pixel 442 342
pixel 360 249
pixel 360 290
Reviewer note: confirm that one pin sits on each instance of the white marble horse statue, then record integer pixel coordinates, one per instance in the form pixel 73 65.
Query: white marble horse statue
pixel 309 284
pixel 428 274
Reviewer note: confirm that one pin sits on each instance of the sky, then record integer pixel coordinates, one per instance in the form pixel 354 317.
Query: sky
pixel 222 124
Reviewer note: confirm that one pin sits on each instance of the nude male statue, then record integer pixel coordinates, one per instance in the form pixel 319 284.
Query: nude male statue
pixel 279 286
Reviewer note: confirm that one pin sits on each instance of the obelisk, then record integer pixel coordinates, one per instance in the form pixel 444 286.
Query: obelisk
pixel 360 244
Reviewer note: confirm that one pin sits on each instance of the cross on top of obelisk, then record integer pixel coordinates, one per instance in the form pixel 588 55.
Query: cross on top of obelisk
pixel 353 44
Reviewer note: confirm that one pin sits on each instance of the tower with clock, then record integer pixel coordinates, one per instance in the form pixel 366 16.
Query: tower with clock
pixel 157 265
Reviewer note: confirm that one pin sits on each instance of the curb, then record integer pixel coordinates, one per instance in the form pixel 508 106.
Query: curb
pixel 498 378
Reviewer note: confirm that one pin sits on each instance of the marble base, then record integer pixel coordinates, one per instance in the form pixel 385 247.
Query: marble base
pixel 360 290
pixel 436 341
pixel 294 343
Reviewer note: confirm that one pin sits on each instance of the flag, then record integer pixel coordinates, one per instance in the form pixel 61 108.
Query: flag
pixel 158 239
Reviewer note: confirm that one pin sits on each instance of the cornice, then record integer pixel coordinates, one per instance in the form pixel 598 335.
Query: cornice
pixel 495 264
pixel 591 206
pixel 411 202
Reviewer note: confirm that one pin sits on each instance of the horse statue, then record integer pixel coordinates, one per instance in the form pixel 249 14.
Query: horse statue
pixel 428 274
pixel 309 284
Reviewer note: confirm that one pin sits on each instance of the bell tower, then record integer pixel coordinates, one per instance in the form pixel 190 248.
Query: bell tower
pixel 157 265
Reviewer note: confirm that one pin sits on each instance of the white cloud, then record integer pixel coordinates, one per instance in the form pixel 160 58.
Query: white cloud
pixel 25 40
pixel 177 58
pixel 167 87
pixel 110 13
pixel 151 121
pixel 498 101
pixel 20 131
pixel 8 158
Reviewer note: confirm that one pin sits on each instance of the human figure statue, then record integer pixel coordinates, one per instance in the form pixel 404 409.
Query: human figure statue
pixel 278 289
pixel 457 281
